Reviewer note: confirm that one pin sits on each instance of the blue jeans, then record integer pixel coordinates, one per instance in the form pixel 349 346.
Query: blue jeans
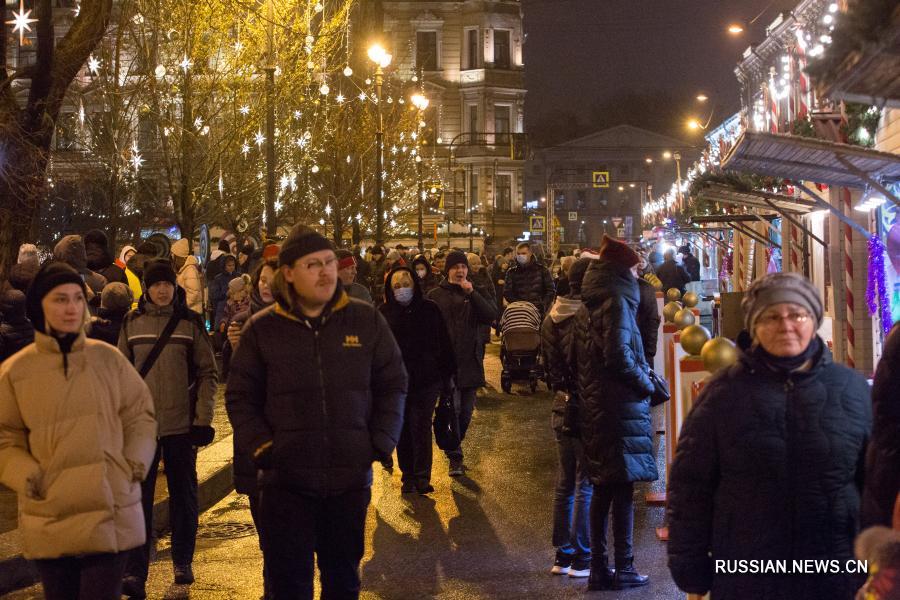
pixel 572 500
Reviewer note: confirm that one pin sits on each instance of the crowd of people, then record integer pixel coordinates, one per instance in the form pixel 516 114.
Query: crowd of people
pixel 333 359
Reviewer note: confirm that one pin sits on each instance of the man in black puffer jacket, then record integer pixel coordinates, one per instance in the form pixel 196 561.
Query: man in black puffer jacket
pixel 614 407
pixel 529 280
pixel 769 463
pixel 315 394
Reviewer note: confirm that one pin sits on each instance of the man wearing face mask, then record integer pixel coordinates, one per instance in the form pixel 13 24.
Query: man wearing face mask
pixel 529 281
pixel 420 331
pixel 463 309
pixel 347 273
pixel 425 277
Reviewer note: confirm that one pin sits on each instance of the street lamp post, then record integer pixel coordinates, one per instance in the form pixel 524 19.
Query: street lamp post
pixel 271 218
pixel 421 103
pixel 382 59
pixel 677 157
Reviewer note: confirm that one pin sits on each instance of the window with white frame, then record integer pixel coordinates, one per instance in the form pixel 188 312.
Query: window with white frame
pixel 427 51
pixel 502 48
pixel 473 47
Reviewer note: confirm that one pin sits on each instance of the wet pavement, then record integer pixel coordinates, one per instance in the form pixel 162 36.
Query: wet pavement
pixel 483 536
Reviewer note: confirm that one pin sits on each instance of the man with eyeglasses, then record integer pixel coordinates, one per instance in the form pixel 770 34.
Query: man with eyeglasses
pixel 315 394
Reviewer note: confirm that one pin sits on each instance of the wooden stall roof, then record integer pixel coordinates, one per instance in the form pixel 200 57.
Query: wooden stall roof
pixel 806 159
pixel 726 194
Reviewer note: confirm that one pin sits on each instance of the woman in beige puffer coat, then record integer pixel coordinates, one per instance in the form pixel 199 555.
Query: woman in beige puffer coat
pixel 76 435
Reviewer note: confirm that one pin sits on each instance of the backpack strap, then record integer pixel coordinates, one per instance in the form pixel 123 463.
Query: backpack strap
pixel 159 345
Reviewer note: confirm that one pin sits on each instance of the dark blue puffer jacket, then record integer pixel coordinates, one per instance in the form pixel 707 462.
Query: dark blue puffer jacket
pixel 769 466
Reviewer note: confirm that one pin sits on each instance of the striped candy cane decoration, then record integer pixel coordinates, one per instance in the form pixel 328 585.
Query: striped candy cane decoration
pixel 739 261
pixel 774 109
pixel 803 87
pixel 795 242
pixel 848 276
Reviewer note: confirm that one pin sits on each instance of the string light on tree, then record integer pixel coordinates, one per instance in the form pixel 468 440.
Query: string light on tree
pixel 93 65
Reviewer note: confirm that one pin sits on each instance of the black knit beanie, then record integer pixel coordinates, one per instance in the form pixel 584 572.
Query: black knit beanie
pixel 52 274
pixel 301 241
pixel 159 270
pixel 454 258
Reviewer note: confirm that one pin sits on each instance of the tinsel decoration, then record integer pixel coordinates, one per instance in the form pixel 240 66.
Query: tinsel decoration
pixel 876 291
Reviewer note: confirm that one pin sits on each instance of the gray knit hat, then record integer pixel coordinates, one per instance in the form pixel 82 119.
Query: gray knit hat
pixel 116 296
pixel 777 288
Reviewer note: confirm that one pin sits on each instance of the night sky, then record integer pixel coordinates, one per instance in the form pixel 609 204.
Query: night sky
pixel 580 53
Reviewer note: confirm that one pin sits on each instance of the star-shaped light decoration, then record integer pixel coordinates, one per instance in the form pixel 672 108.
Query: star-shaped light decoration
pixel 21 21
pixel 328 209
pixel 136 158
pixel 93 65
pixel 339 99
pixel 245 110
pixel 362 96
pixel 245 149
pixel 260 138
pixel 186 63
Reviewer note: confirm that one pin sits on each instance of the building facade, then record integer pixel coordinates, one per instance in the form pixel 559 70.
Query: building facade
pixel 468 56
pixel 599 183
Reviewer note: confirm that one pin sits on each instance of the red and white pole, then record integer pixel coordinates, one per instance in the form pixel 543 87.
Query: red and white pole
pixel 848 279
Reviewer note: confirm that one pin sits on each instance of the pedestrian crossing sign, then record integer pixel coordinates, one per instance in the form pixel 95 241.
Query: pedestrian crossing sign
pixel 538 224
pixel 600 179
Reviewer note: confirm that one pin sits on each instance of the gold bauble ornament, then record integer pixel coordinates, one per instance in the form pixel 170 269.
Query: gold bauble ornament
pixel 690 299
pixel 669 311
pixel 718 353
pixel 693 337
pixel 673 295
pixel 684 318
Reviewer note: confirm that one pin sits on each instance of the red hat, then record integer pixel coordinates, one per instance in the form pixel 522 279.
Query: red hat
pixel 620 253
pixel 270 252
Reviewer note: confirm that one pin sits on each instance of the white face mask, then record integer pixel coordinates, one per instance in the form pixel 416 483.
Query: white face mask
pixel 403 295
pixel 422 272
pixel 521 259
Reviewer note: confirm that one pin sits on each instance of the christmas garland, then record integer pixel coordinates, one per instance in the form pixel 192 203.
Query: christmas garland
pixel 876 290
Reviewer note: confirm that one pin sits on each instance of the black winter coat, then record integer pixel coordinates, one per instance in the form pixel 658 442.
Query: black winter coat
pixel 482 282
pixel 107 326
pixel 463 314
pixel 557 335
pixel 883 455
pixel 692 266
pixel 531 283
pixel 315 401
pixel 648 319
pixel 431 280
pixel 673 275
pixel 613 385
pixel 16 330
pixel 769 466
pixel 422 335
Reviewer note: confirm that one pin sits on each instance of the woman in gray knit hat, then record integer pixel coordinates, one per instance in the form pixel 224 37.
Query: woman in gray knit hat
pixel 769 464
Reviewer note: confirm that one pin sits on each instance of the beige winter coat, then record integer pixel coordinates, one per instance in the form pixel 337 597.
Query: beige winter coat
pixel 191 280
pixel 81 436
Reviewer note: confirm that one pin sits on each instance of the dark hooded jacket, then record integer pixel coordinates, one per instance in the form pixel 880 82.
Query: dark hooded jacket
pixel 463 314
pixel 648 319
pixel 883 456
pixel 673 275
pixel 692 266
pixel 316 401
pixel 107 325
pixel 431 280
pixel 99 257
pixel 421 333
pixel 613 385
pixel 530 282
pixel 71 250
pixel 16 331
pixel 769 465
pixel 557 333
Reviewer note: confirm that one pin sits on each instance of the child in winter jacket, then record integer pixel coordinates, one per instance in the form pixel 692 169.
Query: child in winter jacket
pixel 238 301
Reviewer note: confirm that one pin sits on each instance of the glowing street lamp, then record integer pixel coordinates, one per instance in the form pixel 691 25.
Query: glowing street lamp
pixel 421 103
pixel 735 29
pixel 702 97
pixel 381 58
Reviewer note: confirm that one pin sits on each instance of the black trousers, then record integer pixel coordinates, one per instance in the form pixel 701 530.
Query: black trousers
pixel 180 459
pixel 621 497
pixel 466 399
pixel 297 528
pixel 414 448
pixel 254 514
pixel 90 577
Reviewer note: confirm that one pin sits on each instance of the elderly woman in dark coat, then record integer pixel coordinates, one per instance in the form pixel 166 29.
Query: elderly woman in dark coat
pixel 769 464
pixel 614 414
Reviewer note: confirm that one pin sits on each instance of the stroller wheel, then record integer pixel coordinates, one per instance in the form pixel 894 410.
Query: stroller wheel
pixel 506 384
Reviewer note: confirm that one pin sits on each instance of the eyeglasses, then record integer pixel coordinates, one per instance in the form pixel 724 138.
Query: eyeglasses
pixel 318 266
pixel 772 320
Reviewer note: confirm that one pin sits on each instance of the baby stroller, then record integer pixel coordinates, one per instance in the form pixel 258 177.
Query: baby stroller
pixel 520 345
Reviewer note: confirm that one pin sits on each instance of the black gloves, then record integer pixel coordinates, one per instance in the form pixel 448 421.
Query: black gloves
pixel 202 435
